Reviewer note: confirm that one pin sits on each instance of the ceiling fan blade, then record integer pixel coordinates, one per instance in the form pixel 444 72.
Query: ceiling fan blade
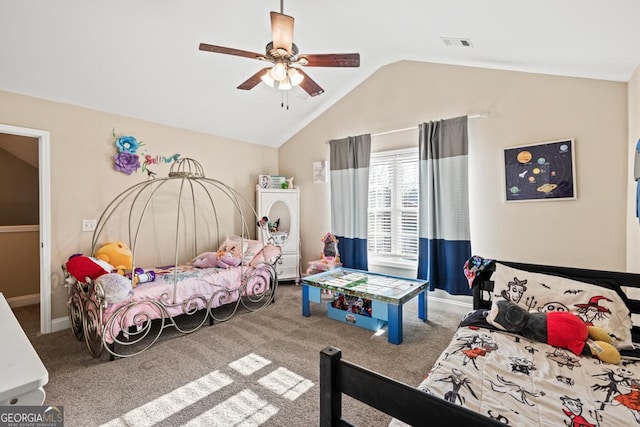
pixel 309 85
pixel 331 60
pixel 282 31
pixel 253 81
pixel 230 51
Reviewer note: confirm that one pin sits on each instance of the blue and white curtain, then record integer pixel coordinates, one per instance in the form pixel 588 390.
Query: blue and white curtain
pixel 349 176
pixel 444 244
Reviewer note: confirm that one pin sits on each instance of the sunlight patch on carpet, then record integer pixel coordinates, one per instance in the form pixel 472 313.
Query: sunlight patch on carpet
pixel 286 383
pixel 173 402
pixel 249 364
pixel 245 409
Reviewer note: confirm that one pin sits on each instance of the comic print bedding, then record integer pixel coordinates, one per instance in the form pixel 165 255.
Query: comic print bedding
pixel 525 383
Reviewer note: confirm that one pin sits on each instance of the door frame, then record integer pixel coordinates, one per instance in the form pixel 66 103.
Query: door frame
pixel 44 173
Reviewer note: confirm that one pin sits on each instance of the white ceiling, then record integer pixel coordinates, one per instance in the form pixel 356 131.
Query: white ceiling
pixel 140 58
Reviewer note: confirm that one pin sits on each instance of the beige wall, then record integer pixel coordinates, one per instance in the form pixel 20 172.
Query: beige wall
pixel 633 225
pixel 19 263
pixel 23 147
pixel 525 108
pixel 19 191
pixel 19 207
pixel 83 180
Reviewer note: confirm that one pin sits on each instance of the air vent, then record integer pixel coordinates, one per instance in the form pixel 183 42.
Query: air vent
pixel 453 41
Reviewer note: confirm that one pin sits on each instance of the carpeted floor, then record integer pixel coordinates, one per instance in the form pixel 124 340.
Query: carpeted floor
pixel 255 369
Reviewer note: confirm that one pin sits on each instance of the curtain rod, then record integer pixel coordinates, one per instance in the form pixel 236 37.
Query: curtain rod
pixel 470 116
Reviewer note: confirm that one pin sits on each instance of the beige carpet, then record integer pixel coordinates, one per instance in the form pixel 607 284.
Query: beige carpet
pixel 255 369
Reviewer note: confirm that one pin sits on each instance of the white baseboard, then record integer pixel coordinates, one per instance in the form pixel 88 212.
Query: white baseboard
pixel 60 324
pixel 463 304
pixel 23 300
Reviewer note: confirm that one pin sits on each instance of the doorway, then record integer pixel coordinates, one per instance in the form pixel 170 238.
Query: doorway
pixel 44 201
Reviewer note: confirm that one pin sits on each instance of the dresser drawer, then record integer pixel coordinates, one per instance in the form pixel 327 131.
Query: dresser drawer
pixel 287 267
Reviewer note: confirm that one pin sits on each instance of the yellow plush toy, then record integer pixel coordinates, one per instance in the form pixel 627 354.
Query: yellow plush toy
pixel 599 343
pixel 117 254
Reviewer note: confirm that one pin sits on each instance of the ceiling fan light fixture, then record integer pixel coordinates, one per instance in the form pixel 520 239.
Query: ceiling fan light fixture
pixel 278 71
pixel 285 84
pixel 295 77
pixel 266 78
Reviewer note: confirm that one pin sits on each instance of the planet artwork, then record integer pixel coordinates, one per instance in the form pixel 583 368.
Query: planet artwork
pixel 524 157
pixel 540 172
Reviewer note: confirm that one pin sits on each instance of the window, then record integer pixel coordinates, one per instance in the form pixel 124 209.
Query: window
pixel 393 206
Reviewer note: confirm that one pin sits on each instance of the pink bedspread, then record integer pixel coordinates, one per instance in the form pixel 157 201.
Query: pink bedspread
pixel 204 282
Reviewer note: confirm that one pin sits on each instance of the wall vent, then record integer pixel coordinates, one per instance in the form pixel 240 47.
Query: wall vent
pixel 454 41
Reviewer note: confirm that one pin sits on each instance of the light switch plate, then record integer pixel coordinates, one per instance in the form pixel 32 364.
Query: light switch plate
pixel 89 224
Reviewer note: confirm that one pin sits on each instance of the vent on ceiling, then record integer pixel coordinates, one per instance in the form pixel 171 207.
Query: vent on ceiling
pixel 453 41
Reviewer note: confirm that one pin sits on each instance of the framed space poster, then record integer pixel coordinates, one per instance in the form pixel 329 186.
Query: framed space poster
pixel 544 171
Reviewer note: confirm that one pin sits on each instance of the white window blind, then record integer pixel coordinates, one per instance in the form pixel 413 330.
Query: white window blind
pixel 393 205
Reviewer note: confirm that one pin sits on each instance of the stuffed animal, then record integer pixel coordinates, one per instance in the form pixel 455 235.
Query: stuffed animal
pixel 80 267
pixel 227 260
pixel 558 328
pixel 329 252
pixel 116 287
pixel 206 260
pixel 117 254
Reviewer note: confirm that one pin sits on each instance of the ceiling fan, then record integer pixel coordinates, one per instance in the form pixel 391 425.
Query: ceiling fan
pixel 286 71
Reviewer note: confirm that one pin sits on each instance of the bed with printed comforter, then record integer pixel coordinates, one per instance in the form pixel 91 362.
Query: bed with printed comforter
pixel 487 376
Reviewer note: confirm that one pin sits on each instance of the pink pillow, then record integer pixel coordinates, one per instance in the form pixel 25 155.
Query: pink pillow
pixel 269 254
pixel 253 248
pixel 236 245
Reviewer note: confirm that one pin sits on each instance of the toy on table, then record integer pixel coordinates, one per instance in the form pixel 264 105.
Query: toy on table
pixel 558 328
pixel 117 254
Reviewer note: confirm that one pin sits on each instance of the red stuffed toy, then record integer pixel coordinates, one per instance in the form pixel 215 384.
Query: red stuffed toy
pixel 558 328
pixel 81 267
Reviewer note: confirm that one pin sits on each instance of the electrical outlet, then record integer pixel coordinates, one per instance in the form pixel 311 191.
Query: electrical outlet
pixel 89 224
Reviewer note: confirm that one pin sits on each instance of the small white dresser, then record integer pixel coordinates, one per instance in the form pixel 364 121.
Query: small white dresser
pixel 22 374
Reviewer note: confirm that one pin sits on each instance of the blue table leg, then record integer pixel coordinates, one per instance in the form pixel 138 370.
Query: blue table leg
pixel 306 306
pixel 422 305
pixel 394 323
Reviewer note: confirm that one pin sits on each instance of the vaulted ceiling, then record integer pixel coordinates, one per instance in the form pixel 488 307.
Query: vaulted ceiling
pixel 141 59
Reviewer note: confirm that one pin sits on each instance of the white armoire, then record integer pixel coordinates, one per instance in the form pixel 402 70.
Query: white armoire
pixel 281 207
